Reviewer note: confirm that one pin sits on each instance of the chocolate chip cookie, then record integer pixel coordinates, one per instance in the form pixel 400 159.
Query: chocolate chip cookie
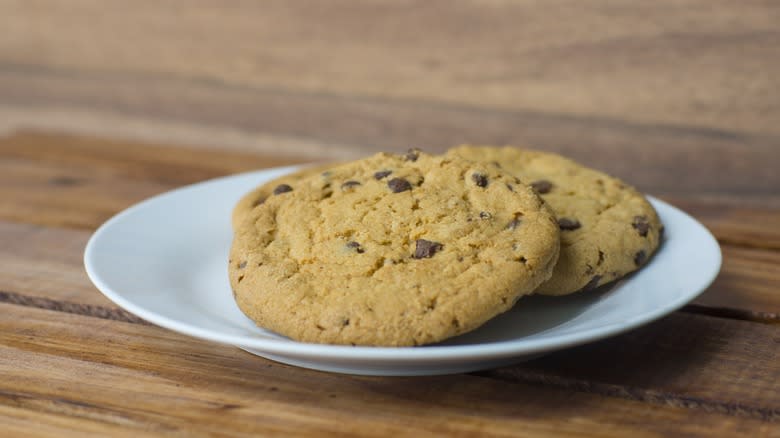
pixel 392 250
pixel 608 229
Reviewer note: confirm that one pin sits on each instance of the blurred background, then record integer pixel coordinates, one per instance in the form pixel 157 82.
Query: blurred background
pixel 633 88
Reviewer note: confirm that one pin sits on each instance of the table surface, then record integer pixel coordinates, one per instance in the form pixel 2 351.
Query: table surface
pixel 103 104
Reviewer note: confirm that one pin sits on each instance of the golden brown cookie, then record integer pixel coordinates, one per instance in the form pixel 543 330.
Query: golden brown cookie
pixel 392 250
pixel 608 229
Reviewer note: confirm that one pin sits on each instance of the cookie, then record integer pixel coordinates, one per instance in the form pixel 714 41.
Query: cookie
pixel 608 229
pixel 392 250
pixel 259 194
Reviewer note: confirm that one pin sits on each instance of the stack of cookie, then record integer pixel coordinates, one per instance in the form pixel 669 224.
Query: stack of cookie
pixel 412 249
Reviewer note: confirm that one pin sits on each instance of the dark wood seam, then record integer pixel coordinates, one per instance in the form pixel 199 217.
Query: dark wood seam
pixel 114 314
pixel 731 313
pixel 520 375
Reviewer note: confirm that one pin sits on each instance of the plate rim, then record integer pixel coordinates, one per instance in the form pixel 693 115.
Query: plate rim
pixel 497 350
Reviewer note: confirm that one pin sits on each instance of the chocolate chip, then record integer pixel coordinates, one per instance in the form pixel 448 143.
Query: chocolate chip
pixel 592 284
pixel 479 179
pixel 282 188
pixel 485 215
pixel 641 225
pixel 412 154
pixel 542 186
pixel 601 258
pixel 509 186
pixel 356 246
pixel 398 185
pixel 381 174
pixel 258 201
pixel 426 248
pixel 568 224
pixel 514 223
pixel 242 265
pixel 640 257
pixel 349 185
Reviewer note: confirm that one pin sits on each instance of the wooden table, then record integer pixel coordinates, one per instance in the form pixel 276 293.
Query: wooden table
pixel 103 104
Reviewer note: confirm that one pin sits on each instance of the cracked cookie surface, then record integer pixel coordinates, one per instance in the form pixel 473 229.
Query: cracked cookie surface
pixel 392 250
pixel 608 229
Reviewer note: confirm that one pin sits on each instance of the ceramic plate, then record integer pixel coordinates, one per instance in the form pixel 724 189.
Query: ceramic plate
pixel 165 260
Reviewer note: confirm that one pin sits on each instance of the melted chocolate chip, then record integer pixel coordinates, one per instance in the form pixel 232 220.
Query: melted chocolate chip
pixel 349 185
pixel 381 174
pixel 641 225
pixel 485 215
pixel 479 179
pixel 282 188
pixel 592 284
pixel 542 186
pixel 412 154
pixel 514 223
pixel 356 246
pixel 426 248
pixel 398 185
pixel 640 257
pixel 568 224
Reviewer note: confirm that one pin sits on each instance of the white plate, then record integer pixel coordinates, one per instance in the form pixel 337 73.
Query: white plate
pixel 165 260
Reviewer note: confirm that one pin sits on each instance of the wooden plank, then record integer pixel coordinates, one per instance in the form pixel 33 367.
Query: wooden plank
pixel 20 286
pixel 28 422
pixel 734 221
pixel 46 262
pixel 748 281
pixel 697 358
pixel 656 158
pixel 701 63
pixel 149 379
pixel 136 161
pixel 80 182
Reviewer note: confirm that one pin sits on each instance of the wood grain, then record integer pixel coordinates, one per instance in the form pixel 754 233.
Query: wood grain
pixel 748 280
pixel 698 358
pixel 81 182
pixel 718 351
pixel 679 90
pixel 670 61
pixel 677 97
pixel 657 159
pixel 144 378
